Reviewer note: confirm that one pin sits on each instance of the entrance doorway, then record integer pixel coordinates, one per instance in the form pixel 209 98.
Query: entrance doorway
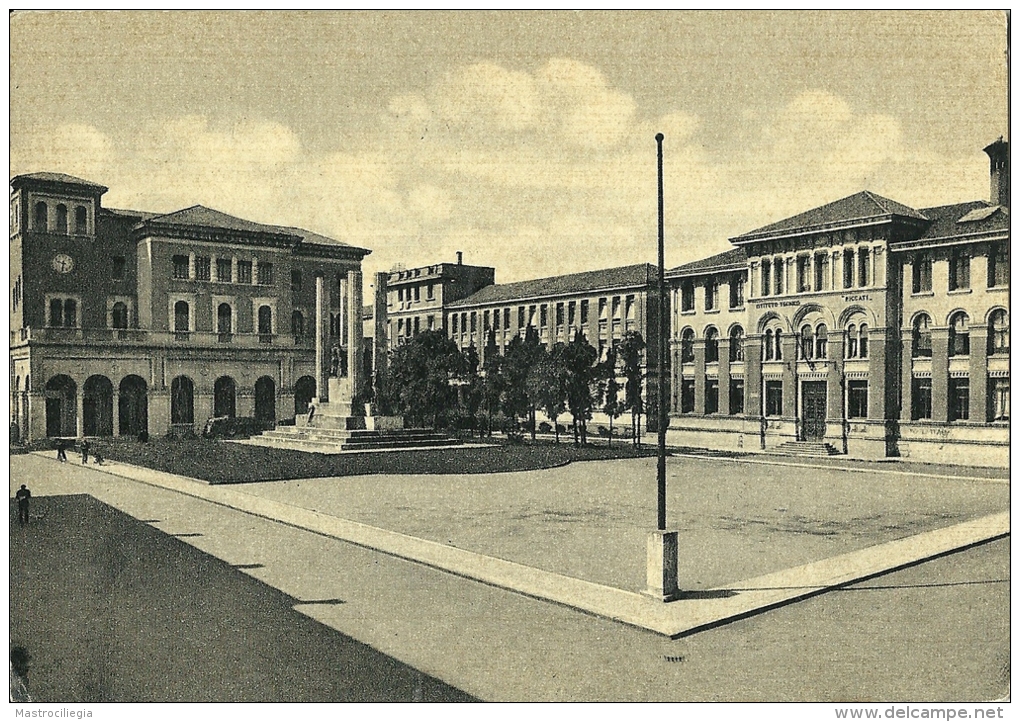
pixel 814 393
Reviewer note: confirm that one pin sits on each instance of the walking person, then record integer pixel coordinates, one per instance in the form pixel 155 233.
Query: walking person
pixel 85 447
pixel 61 450
pixel 23 495
pixel 97 454
pixel 311 411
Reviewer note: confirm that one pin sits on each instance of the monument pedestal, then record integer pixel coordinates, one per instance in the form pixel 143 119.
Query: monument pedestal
pixel 662 565
pixel 340 412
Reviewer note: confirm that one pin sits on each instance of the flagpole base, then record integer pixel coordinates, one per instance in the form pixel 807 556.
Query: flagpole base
pixel 662 565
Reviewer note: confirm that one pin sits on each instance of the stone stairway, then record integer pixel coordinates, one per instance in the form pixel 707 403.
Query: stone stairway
pixel 336 441
pixel 806 448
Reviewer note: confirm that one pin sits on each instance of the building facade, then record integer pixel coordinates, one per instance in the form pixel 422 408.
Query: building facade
pixel 875 328
pixel 125 322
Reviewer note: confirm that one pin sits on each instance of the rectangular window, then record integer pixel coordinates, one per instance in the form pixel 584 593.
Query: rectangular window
pixel 224 271
pixel 485 321
pixel 736 291
pixel 474 321
pixel 603 309
pixel 822 272
pixel 495 319
pixel 202 268
pixel 998 265
pixel 687 396
pixel 544 316
pixel 453 323
pixel 56 312
pixel 430 292
pixel 920 281
pixel 736 396
pixel 616 308
pixel 848 268
pixel 712 396
pixel 559 314
pixel 766 277
pixel 432 323
pixel 181 267
pixel 506 318
pixel 959 271
pixel 571 313
pixel 295 281
pixel 119 268
pixel 780 270
pixel 687 296
pixel 711 295
pixel 803 274
pixel 417 325
pixel 920 399
pixel 959 399
pixel 584 312
pixel 857 399
pixel 998 399
pixel 532 315
pixel 863 267
pixel 773 398
pixel 520 317
pixel 244 271
pixel 417 294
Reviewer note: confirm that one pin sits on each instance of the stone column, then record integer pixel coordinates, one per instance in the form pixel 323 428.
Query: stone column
pixel 674 389
pixel 724 375
pixel 834 378
pixel 876 373
pixel 978 374
pixel 354 333
pixel 80 419
pixel 940 374
pixel 699 376
pixel 906 375
pixel 752 376
pixel 790 376
pixel 380 354
pixel 321 338
pixel 116 413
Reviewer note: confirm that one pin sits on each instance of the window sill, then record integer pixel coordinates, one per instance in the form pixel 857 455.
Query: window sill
pixel 998 288
pixel 690 312
pixel 922 294
pixel 960 292
pixel 737 309
pixel 711 311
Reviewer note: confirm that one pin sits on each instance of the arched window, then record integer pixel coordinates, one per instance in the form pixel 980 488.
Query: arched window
pixel 959 335
pixel 81 221
pixel 821 341
pixel 119 315
pixel 779 345
pixel 182 313
pixel 998 333
pixel 769 343
pixel 70 313
pixel 807 343
pixel 40 217
pixel 736 344
pixel 851 341
pixel 224 319
pixel 61 225
pixel 297 323
pixel 687 345
pixel 711 346
pixel 920 341
pixel 265 320
pixel 862 343
pixel 56 312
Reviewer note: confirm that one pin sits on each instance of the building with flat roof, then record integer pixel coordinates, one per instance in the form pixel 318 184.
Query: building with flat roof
pixel 863 327
pixel 125 321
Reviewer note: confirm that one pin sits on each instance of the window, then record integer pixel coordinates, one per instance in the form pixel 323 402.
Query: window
pixel 687 296
pixel 244 272
pixel 736 291
pixel 431 322
pixel 297 323
pixel 822 272
pixel 417 294
pixel 766 277
pixel 506 318
pixel 81 221
pixel 779 345
pixel 182 314
pixel 807 343
pixel 921 337
pixel 61 226
pixel 998 399
pixel 202 264
pixel 119 315
pixel 225 319
pixel 119 268
pixel 584 312
pixel 959 270
pixel 417 324
pixel 821 341
pixel 998 265
pixel 474 321
pixel 959 335
pixel 40 218
pixel 687 345
pixel 70 313
pixel 711 346
pixel 265 274
pixel 543 316
pixel 712 396
pixel 495 320
pixel 921 274
pixel 616 308
pixel 959 398
pixel 295 281
pixel 862 342
pixel 803 274
pixel 560 314
pixel 773 398
pixel 769 344
pixel 265 317
pixel 485 321
pixel 400 295
pixel 857 399
pixel 571 313
pixel 736 344
pixel 400 327
pixel 857 340
pixel 430 292
pixel 711 295
pixel 851 341
pixel 779 267
pixel 56 312
pixel 687 396
pixel 464 322
pixel 736 396
pixel 532 315
pixel 920 399
pixel 180 267
pixel 453 323
pixel 998 333
pixel 630 309
pixel 864 267
pixel 224 271
pixel 848 268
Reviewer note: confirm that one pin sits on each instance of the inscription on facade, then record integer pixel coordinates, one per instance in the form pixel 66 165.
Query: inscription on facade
pixel 763 305
pixel 859 297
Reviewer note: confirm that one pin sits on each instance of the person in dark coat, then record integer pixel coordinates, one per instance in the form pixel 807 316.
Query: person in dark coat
pixel 23 497
pixel 61 450
pixel 85 447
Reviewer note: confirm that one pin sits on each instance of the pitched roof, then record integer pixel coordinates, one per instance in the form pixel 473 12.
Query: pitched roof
pixel 125 213
pixel 728 260
pixel 965 219
pixel 58 178
pixel 636 275
pixel 859 206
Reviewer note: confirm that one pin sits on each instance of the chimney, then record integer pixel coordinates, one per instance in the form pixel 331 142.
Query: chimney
pixel 998 155
pixel 460 254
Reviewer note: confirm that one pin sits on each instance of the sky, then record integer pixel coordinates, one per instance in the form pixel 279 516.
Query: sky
pixel 524 139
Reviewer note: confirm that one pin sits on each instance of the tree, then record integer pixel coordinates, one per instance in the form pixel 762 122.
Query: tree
pixel 546 384
pixel 630 351
pixel 420 374
pixel 612 406
pixel 521 355
pixel 579 362
pixel 493 382
pixel 470 384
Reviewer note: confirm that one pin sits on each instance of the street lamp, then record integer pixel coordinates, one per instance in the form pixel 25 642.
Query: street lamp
pixel 662 543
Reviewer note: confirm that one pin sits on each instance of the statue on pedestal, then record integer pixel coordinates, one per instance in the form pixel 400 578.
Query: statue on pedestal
pixel 338 362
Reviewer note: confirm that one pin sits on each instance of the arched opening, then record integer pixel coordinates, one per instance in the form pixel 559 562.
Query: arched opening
pixel 224 321
pixel 768 344
pixel 119 315
pixel 182 317
pixel 182 401
pixel 81 221
pixel 224 397
pixel 807 343
pixel 133 406
pixel 265 399
pixel 821 341
pixel 959 335
pixel 70 313
pixel 304 391
pixel 711 345
pixel 61 406
pixel 736 344
pixel 265 323
pixel 39 218
pixel 687 346
pixel 921 337
pixel 97 406
pixel 61 220
pixel 998 333
pixel 297 323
